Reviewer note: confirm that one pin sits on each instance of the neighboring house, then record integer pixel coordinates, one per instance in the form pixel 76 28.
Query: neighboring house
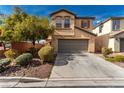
pixel 72 33
pixel 2 18
pixel 110 34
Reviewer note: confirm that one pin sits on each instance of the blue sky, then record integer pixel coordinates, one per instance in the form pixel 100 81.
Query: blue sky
pixel 101 12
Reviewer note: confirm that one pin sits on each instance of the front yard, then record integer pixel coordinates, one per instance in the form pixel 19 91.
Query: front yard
pixel 15 60
pixel 34 69
pixel 26 65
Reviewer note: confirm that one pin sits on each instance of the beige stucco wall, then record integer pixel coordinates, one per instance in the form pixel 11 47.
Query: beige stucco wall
pixel 106 41
pixel 81 34
pixel 78 23
pixel 107 28
pixel 101 41
pixel 71 33
pixel 78 35
pixel 64 31
pixel 112 44
pixel 63 14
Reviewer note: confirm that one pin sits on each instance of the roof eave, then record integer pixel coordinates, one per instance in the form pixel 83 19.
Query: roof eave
pixel 88 17
pixel 51 14
pixel 85 30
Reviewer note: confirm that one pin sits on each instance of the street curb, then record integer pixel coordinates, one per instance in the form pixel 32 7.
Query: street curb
pixel 86 79
pixel 21 79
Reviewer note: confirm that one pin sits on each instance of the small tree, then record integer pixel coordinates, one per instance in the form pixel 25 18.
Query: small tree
pixel 22 27
pixel 33 29
pixel 8 29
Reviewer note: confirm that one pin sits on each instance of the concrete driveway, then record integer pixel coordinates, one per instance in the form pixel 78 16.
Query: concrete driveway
pixel 85 70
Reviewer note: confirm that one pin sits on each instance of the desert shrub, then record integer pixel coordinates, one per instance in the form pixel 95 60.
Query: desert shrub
pixel 10 54
pixel 24 59
pixel 46 53
pixel 33 51
pixel 119 58
pixel 4 63
pixel 106 51
pixel 111 59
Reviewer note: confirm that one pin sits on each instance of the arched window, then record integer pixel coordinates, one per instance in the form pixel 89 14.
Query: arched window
pixel 67 22
pixel 58 22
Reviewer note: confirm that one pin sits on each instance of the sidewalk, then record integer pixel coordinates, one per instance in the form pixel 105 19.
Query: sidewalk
pixel 11 82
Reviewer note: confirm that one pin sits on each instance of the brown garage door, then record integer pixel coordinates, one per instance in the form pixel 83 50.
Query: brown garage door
pixel 122 45
pixel 65 46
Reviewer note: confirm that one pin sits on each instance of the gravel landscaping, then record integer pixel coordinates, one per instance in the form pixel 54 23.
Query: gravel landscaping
pixel 121 64
pixel 34 69
pixel 32 63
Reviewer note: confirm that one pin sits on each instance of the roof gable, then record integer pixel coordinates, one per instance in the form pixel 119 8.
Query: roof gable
pixel 110 18
pixel 61 11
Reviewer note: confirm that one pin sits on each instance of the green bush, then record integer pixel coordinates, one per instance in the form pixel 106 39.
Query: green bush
pixel 24 59
pixel 106 51
pixel 119 58
pixel 4 63
pixel 10 54
pixel 46 53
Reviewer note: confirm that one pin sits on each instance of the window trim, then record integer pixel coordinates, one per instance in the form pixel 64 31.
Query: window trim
pixel 115 28
pixel 68 17
pixel 58 22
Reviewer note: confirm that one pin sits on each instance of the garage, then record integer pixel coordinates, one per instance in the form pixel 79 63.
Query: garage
pixel 72 45
pixel 122 45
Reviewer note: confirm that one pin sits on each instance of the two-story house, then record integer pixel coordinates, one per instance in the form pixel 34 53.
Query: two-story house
pixel 110 34
pixel 72 33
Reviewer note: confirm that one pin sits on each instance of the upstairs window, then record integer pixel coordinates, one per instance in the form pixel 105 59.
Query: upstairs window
pixel 115 25
pixel 100 29
pixel 58 22
pixel 67 22
pixel 85 24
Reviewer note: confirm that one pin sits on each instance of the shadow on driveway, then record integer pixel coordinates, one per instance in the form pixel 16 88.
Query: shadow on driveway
pixel 67 57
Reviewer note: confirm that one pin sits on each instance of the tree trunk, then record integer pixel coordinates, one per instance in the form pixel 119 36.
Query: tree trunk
pixel 4 46
pixel 33 42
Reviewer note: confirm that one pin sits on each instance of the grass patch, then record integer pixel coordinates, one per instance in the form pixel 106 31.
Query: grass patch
pixel 117 58
pixel 111 59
